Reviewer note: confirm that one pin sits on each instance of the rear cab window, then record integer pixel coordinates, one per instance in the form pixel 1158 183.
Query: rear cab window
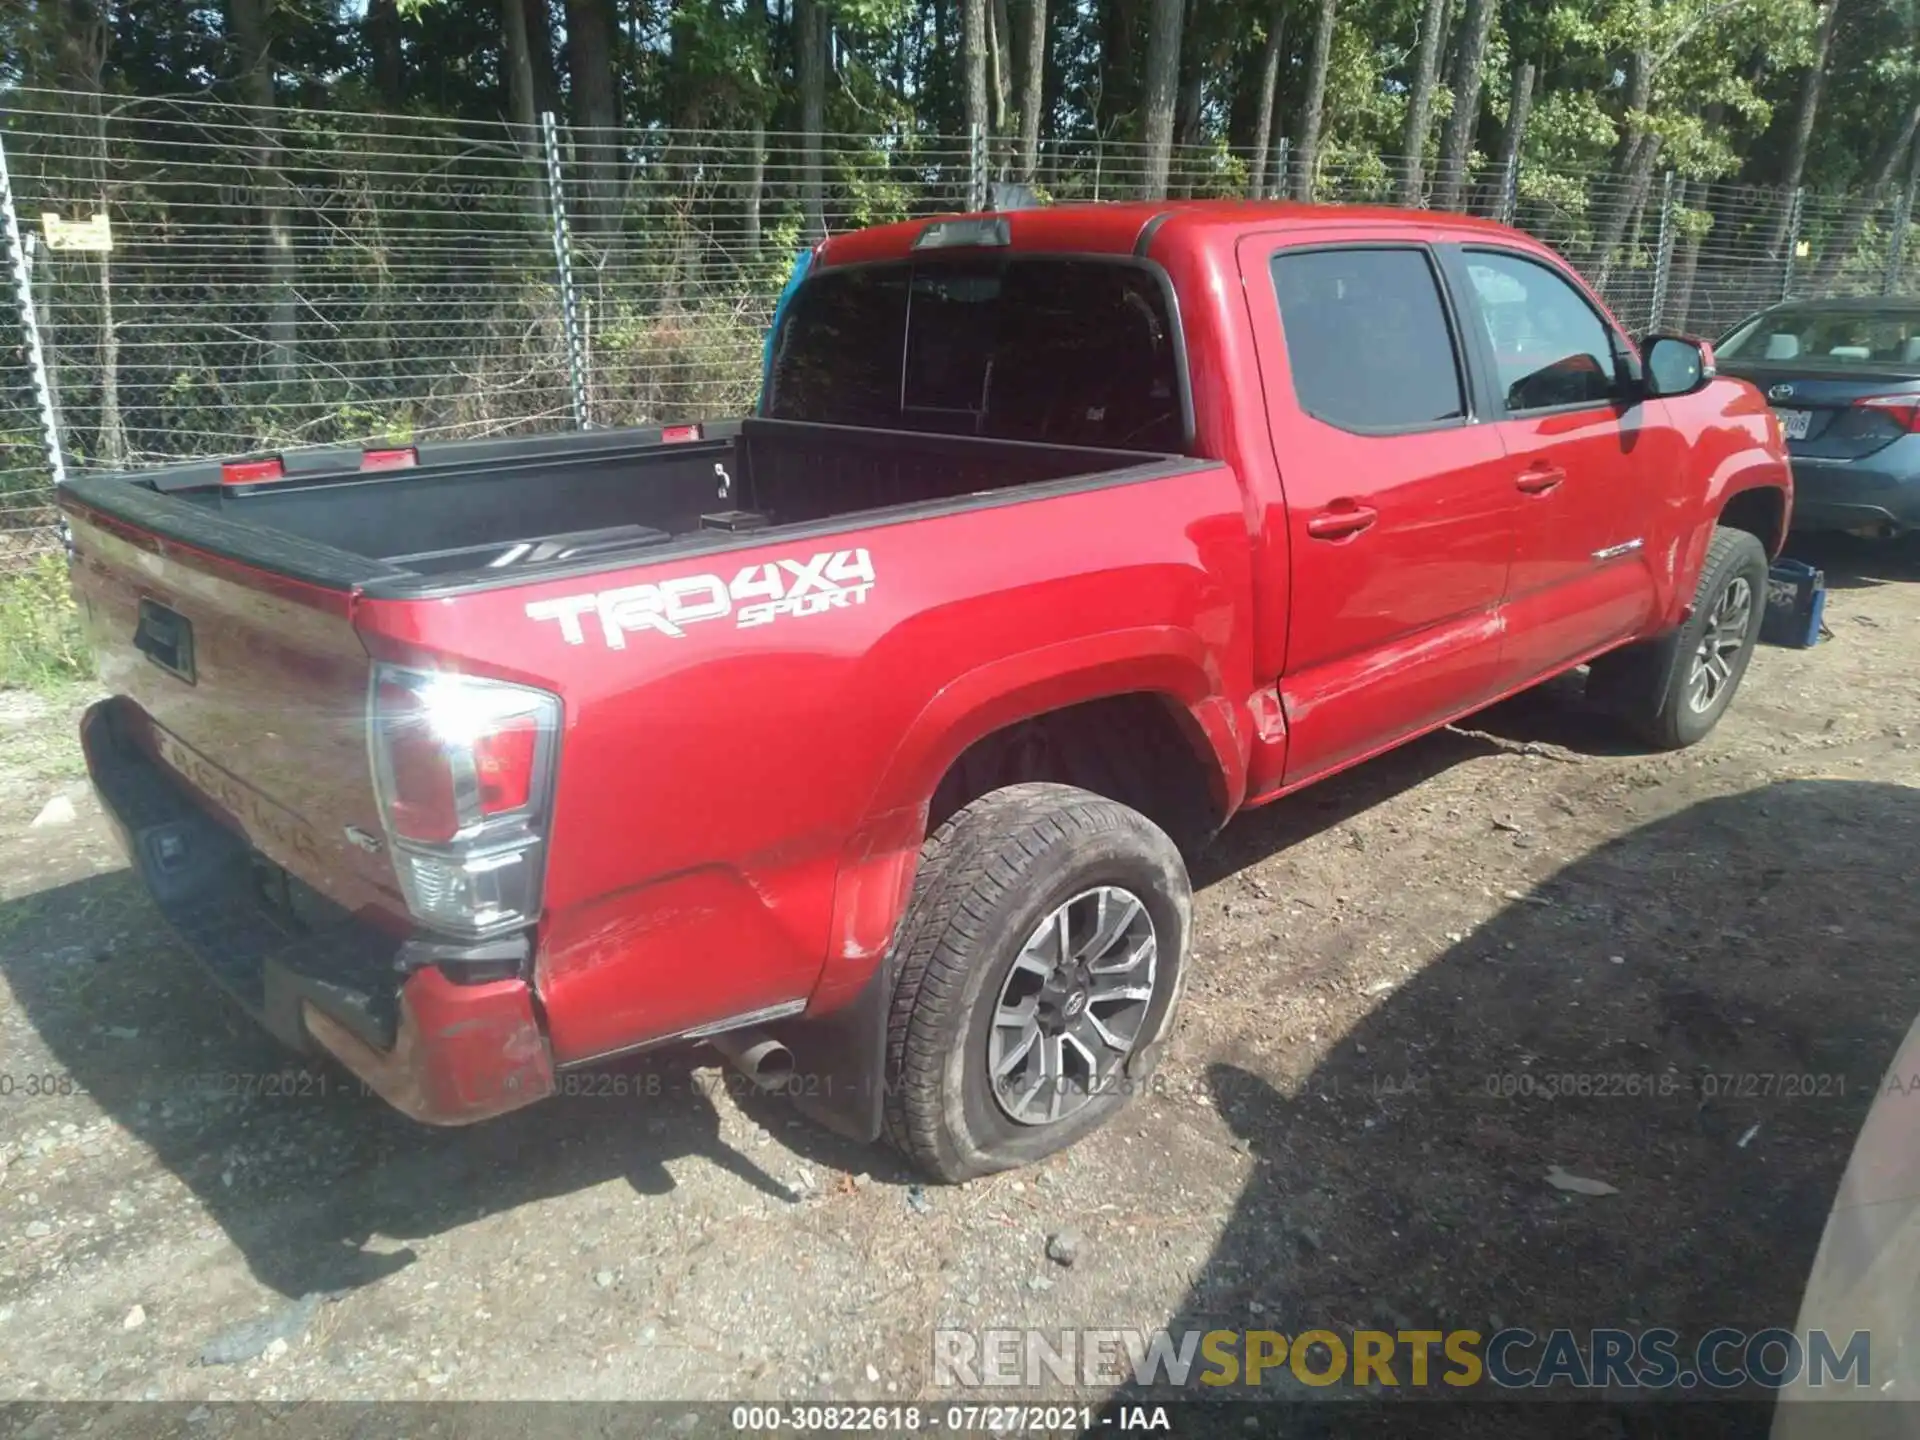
pixel 1369 343
pixel 1068 351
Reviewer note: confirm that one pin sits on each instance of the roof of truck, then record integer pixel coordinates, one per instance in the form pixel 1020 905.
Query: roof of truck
pixel 1123 227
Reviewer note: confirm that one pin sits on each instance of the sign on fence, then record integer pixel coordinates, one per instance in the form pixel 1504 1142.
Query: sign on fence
pixel 95 234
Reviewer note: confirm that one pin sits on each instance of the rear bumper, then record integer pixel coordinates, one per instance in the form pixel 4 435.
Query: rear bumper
pixel 441 1051
pixel 1858 495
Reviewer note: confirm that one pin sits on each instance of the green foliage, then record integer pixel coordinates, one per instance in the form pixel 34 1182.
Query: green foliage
pixel 1727 72
pixel 1570 130
pixel 42 644
pixel 425 295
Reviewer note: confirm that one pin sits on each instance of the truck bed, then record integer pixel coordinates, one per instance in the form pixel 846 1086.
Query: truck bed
pixel 464 515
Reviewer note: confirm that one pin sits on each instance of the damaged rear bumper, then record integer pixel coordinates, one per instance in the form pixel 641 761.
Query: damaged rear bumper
pixel 395 1011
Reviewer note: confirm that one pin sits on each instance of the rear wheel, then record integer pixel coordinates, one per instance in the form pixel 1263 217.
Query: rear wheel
pixel 1041 963
pixel 1673 692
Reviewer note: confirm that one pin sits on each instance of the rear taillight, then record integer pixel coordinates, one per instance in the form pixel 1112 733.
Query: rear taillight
pixel 404 458
pixel 503 764
pixel 463 768
pixel 252 472
pixel 1903 410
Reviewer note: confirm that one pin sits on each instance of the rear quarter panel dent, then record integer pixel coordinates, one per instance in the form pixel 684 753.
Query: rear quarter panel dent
pixel 878 866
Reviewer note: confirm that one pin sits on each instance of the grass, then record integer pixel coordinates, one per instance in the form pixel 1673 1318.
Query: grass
pixel 42 645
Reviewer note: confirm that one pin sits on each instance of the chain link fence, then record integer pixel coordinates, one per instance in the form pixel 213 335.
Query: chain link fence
pixel 291 277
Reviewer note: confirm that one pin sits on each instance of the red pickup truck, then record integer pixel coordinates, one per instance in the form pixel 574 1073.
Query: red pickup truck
pixel 864 737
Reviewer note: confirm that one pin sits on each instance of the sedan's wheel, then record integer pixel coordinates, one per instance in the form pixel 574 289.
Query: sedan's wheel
pixel 1039 969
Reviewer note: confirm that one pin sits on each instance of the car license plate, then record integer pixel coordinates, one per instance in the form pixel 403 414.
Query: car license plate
pixel 1793 423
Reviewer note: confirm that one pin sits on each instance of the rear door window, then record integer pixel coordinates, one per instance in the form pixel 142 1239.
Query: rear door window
pixel 1368 339
pixel 1075 352
pixel 1836 339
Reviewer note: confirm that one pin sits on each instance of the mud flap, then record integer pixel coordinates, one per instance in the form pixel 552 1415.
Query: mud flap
pixel 840 1061
pixel 1630 681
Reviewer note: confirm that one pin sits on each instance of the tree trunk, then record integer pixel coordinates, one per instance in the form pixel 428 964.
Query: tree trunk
pixel 382 29
pixel 248 28
pixel 1313 107
pixel 113 430
pixel 1263 114
pixel 1193 103
pixel 1686 264
pixel 1519 106
pixel 590 44
pixel 1118 80
pixel 973 65
pixel 517 58
pixel 1803 120
pixel 1163 81
pixel 1413 140
pixel 1897 236
pixel 1000 54
pixel 1864 202
pixel 1457 153
pixel 761 98
pixel 1210 77
pixel 810 38
pixel 546 80
pixel 1033 89
pixel 81 64
pixel 755 186
pixel 1512 135
pixel 1633 169
pixel 1631 197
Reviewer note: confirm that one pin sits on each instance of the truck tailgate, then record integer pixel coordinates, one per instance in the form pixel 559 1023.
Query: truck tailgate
pixel 252 690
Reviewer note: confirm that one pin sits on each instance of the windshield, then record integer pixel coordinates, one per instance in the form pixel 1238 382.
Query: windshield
pixel 1074 352
pixel 1828 338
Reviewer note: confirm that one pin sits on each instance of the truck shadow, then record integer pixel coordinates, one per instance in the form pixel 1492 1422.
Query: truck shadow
pixel 1716 1074
pixel 1549 717
pixel 319 1184
pixel 322 1187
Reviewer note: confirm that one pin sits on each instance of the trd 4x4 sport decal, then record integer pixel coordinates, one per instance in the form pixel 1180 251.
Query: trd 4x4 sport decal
pixel 757 595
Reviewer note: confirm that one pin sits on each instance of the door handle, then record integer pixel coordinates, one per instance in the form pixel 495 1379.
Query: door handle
pixel 1539 479
pixel 1338 524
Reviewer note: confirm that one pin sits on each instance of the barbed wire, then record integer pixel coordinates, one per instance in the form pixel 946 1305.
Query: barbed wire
pixel 281 277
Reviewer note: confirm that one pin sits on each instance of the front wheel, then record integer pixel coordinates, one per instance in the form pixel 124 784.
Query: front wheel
pixel 1040 966
pixel 1673 693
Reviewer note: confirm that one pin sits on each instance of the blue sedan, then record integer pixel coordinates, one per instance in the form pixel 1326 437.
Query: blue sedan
pixel 1844 378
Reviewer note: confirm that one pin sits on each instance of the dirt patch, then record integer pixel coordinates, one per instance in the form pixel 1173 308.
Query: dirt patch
pixel 1514 946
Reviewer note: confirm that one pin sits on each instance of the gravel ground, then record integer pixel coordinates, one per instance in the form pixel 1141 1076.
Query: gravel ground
pixel 1516 898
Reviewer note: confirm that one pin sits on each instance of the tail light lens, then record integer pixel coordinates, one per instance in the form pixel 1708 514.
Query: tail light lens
pixel 1903 410
pixel 252 472
pixel 404 458
pixel 463 768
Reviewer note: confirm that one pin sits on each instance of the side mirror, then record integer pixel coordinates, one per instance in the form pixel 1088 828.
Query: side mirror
pixel 1677 365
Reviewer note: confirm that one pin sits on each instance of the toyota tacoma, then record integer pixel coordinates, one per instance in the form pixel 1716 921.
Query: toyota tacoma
pixel 864 737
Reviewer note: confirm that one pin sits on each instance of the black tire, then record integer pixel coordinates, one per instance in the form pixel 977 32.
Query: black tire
pixel 1651 687
pixel 987 879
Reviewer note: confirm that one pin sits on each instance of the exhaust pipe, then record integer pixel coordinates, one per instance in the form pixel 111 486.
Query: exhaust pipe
pixel 756 1055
